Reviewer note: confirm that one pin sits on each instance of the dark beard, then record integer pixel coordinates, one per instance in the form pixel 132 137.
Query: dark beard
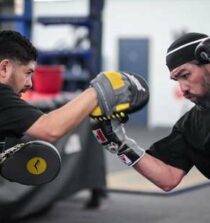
pixel 203 103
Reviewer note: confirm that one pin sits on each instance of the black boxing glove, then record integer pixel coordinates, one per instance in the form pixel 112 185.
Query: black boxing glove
pixel 112 136
pixel 119 94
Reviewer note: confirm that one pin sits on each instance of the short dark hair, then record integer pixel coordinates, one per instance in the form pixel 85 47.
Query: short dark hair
pixel 15 46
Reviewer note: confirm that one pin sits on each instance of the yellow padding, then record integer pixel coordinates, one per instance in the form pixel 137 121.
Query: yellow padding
pixel 96 112
pixel 115 79
pixel 122 107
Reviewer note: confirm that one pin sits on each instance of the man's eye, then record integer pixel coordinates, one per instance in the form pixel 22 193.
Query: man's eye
pixel 185 75
pixel 28 73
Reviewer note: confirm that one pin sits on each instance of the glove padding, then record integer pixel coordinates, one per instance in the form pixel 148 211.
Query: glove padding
pixel 119 94
pixel 112 136
pixel 31 163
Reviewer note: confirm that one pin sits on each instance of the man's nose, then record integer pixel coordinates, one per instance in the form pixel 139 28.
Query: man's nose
pixel 29 83
pixel 184 86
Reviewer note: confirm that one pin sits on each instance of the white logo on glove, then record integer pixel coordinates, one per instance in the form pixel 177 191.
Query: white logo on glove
pixel 136 82
pixel 112 147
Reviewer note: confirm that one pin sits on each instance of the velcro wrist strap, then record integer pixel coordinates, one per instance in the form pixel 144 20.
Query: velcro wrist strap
pixel 129 156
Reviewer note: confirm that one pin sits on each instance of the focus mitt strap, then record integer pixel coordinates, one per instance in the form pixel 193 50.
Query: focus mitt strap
pixel 32 163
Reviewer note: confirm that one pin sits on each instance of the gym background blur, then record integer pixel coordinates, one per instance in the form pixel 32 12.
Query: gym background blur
pixel 77 39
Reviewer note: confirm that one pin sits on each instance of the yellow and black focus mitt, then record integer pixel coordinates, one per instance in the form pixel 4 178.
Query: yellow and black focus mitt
pixel 119 94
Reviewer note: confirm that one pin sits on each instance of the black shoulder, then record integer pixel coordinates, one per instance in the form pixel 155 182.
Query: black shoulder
pixel 187 119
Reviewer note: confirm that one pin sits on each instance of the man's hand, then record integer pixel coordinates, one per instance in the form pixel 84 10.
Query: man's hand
pixel 119 93
pixel 112 136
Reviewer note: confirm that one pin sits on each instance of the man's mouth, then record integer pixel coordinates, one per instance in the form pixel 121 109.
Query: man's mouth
pixel 190 97
pixel 21 92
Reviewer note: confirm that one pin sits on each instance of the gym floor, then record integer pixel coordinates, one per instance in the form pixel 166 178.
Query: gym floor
pixel 189 207
pixel 189 204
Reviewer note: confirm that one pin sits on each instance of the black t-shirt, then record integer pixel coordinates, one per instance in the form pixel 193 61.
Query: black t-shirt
pixel 188 144
pixel 16 115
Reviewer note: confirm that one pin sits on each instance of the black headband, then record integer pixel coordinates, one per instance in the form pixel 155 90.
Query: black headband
pixel 182 50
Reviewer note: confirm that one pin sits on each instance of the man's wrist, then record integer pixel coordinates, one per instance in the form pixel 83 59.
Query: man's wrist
pixel 130 156
pixel 93 95
pixel 93 92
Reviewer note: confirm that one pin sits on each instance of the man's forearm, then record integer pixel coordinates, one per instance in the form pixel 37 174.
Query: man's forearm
pixel 56 123
pixel 164 176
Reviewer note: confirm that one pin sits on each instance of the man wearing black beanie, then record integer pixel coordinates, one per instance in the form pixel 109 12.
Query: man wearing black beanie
pixel 188 61
pixel 168 160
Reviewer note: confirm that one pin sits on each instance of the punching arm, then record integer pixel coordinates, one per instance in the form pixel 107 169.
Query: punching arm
pixel 111 135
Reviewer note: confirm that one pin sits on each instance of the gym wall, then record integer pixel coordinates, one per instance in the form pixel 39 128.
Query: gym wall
pixel 160 21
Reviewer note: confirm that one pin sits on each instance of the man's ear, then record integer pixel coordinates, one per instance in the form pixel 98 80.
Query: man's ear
pixel 5 68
